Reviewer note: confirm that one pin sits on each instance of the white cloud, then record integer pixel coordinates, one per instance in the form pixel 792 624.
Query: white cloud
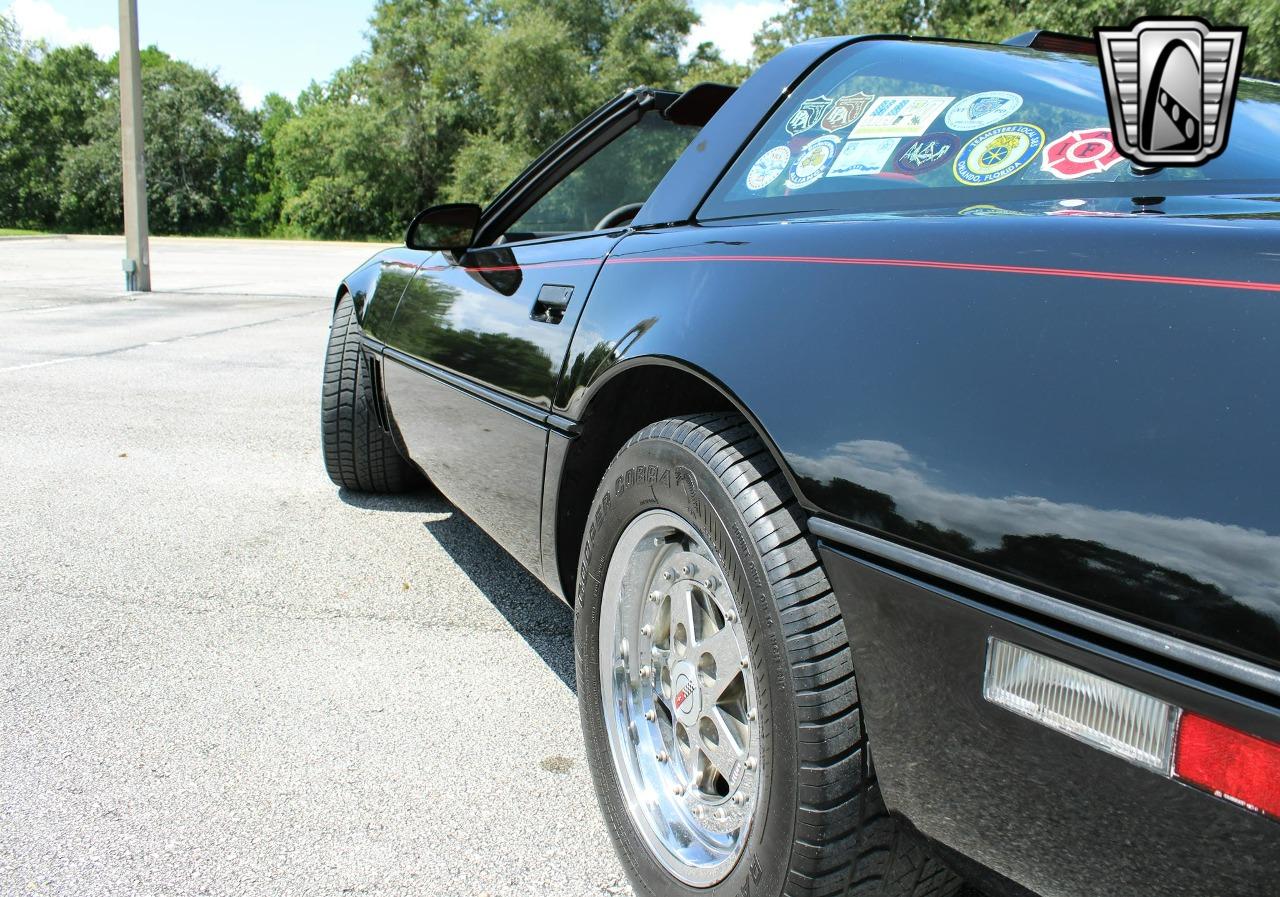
pixel 1243 562
pixel 38 20
pixel 730 25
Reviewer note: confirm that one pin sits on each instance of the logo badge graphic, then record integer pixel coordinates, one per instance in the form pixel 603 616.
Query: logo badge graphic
pixel 862 157
pixel 982 110
pixel 900 116
pixel 812 162
pixel 767 168
pixel 1079 153
pixel 807 115
pixel 845 111
pixel 927 153
pixel 685 692
pixel 1170 87
pixel 996 154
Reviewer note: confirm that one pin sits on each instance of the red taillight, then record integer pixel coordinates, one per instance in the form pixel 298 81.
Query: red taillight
pixel 1238 766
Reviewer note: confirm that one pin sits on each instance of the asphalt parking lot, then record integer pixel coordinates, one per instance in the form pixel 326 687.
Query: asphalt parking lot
pixel 222 675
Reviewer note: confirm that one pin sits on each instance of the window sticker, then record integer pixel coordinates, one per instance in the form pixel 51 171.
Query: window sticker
pixel 982 110
pixel 927 152
pixel 767 168
pixel 812 161
pixel 845 111
pixel 807 115
pixel 996 154
pixel 899 116
pixel 1080 153
pixel 863 157
pixel 985 210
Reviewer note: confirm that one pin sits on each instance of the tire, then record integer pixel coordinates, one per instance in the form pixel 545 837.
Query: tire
pixel 819 825
pixel 358 453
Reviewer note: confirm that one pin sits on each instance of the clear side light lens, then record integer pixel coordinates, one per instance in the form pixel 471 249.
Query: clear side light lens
pixel 1097 711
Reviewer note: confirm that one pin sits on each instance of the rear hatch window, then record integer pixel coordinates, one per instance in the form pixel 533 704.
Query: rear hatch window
pixel 890 124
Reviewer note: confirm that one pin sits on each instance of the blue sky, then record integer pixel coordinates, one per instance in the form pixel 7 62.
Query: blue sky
pixel 282 45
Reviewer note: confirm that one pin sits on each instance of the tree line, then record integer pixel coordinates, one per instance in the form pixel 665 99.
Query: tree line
pixel 450 99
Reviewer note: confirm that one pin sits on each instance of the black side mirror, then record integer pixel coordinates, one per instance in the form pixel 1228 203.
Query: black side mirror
pixel 447 227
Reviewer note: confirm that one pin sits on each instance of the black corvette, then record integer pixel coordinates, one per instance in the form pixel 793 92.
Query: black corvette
pixel 908 456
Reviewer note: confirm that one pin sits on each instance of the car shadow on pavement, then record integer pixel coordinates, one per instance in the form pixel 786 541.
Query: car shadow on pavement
pixel 539 617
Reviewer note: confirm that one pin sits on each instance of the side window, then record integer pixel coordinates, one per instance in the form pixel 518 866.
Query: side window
pixel 621 174
pixel 886 125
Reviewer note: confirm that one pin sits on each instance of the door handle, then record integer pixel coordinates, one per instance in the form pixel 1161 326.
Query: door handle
pixel 552 300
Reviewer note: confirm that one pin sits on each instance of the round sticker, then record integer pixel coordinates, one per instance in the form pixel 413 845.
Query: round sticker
pixel 995 154
pixel 926 153
pixel 1080 153
pixel 812 161
pixel 982 110
pixel 768 167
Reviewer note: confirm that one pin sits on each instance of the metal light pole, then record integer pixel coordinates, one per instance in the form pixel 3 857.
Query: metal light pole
pixel 137 262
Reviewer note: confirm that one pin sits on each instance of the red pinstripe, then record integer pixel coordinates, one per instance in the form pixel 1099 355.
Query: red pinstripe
pixel 1124 276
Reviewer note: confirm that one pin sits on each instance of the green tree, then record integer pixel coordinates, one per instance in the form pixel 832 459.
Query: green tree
pixel 545 65
pixel 454 97
pixel 262 215
pixel 198 139
pixel 341 172
pixel 995 20
pixel 707 64
pixel 48 100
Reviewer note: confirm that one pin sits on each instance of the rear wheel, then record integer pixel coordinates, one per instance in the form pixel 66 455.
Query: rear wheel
pixel 359 452
pixel 716 685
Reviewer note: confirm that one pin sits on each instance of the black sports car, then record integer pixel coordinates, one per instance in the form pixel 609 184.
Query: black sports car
pixel 907 454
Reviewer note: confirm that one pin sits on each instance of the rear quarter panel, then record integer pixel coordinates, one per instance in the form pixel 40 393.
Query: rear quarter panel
pixel 1109 438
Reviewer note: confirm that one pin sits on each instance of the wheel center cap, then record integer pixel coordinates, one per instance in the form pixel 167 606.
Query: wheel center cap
pixel 686 698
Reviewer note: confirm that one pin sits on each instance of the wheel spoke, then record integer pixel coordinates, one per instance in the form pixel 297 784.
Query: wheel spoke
pixel 682 617
pixel 723 751
pixel 724 650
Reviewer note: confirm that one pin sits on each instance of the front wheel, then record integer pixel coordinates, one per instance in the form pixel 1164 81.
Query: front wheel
pixel 716 685
pixel 359 453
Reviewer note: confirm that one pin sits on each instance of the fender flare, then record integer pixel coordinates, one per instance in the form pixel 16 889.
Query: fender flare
pixel 625 365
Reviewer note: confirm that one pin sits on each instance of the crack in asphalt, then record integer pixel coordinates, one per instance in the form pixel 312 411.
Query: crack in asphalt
pixel 156 342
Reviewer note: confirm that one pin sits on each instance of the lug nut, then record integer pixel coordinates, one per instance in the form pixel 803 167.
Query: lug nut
pixel 650 715
pixel 751 763
pixel 739 798
pixel 745 663
pixel 731 615
pixel 657 542
pixel 719 814
pixel 663 756
pixel 710 584
pixel 646 672
pixel 678 789
pixel 646 630
pixel 751 714
pixel 655 595
pixel 668 575
pixel 686 570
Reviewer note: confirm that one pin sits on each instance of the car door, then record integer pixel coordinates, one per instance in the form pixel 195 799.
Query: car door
pixel 479 338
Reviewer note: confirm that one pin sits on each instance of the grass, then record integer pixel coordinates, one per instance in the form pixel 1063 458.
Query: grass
pixel 19 232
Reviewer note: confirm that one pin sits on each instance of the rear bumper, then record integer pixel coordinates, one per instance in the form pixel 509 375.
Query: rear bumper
pixel 1049 812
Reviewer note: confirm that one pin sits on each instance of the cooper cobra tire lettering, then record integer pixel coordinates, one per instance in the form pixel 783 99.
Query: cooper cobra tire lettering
pixel 820 826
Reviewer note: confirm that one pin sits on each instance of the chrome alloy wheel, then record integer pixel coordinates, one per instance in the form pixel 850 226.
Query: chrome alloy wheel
pixel 679 698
